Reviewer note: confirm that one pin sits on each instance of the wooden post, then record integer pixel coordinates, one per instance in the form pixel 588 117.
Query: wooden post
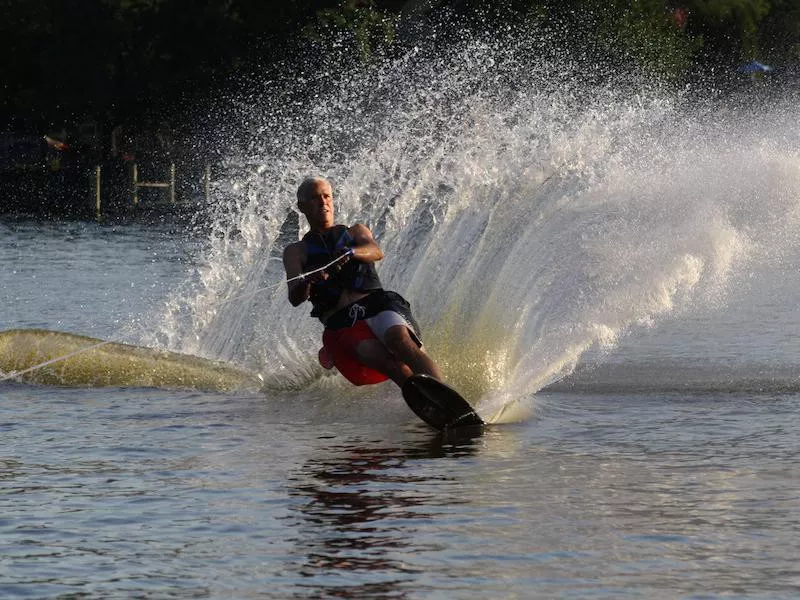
pixel 97 192
pixel 172 183
pixel 135 185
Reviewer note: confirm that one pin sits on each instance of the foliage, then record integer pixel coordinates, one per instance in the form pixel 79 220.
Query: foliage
pixel 779 33
pixel 729 28
pixel 358 23
pixel 134 60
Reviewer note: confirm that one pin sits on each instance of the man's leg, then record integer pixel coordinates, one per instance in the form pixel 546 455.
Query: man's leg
pixel 400 343
pixel 373 354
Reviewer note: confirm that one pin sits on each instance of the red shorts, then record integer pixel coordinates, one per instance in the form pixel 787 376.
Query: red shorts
pixel 339 346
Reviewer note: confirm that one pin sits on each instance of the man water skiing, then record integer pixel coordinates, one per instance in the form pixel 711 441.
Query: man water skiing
pixel 370 334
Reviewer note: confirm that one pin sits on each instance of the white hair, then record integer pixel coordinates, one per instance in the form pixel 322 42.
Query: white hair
pixel 307 185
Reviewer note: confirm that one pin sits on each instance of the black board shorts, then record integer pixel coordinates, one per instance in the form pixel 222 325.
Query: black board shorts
pixel 370 306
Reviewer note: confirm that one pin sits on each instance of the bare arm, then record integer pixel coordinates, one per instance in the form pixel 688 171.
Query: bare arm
pixel 293 258
pixel 364 247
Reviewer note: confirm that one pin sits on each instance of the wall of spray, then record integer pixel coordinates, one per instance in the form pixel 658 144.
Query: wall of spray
pixel 528 216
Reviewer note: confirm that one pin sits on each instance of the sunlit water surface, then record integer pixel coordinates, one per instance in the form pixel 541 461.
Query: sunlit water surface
pixel 643 492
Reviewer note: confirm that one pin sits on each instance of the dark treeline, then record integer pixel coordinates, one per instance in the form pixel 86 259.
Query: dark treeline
pixel 132 61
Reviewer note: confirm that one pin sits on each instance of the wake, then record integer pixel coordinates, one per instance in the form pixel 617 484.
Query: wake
pixel 63 359
pixel 529 218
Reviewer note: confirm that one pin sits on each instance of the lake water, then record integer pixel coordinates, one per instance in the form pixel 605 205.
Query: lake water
pixel 608 275
pixel 638 491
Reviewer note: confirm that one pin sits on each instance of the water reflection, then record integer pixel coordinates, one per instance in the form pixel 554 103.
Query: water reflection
pixel 358 506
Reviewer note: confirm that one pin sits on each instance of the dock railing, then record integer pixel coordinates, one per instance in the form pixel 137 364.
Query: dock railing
pixel 167 185
pixel 136 184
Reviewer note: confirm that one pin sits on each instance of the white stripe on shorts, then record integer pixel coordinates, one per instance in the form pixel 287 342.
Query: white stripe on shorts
pixel 386 319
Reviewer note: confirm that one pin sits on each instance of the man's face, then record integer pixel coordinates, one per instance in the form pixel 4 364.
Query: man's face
pixel 317 206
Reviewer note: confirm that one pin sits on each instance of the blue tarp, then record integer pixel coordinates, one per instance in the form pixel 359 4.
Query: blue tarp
pixel 754 67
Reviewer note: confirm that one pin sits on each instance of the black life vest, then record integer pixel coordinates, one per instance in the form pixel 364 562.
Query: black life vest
pixel 321 249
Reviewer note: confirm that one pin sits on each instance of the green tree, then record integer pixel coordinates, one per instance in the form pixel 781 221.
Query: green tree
pixel 779 33
pixel 728 28
pixel 357 22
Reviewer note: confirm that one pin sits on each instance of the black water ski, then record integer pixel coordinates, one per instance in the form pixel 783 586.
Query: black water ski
pixel 439 405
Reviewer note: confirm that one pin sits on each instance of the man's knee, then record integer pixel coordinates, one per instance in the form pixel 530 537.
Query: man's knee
pixel 399 341
pixel 371 352
pixel 375 355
